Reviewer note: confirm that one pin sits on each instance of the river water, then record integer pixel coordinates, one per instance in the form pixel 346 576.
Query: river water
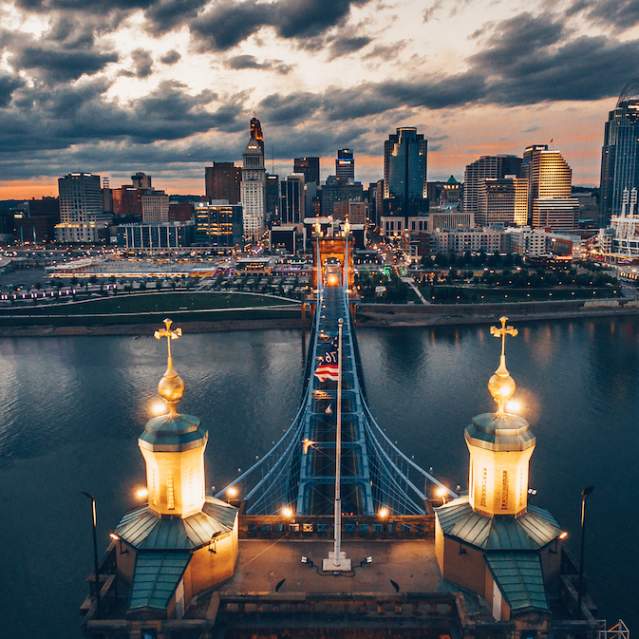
pixel 71 409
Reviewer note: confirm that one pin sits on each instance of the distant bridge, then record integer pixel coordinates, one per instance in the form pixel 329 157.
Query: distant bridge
pixel 299 471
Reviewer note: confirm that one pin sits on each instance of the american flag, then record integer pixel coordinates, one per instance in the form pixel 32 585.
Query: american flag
pixel 327 372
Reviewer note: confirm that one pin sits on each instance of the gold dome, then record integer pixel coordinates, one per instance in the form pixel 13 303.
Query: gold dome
pixel 501 387
pixel 171 387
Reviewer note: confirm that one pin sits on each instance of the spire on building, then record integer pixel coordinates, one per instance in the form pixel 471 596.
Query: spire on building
pixel 501 385
pixel 171 386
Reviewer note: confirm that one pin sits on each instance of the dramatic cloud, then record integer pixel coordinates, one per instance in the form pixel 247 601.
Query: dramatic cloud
pixel 8 84
pixel 582 68
pixel 79 114
pixel 164 15
pixel 345 45
pixel 246 61
pixel 170 57
pixel 229 22
pixel 622 14
pixel 318 73
pixel 142 64
pixel 61 64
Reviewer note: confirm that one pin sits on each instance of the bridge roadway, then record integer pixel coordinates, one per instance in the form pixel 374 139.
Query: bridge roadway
pixel 299 471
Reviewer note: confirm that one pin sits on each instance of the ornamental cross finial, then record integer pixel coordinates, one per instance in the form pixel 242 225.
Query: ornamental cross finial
pixel 502 332
pixel 168 333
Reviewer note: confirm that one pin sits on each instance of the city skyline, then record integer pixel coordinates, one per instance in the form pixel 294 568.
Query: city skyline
pixel 160 87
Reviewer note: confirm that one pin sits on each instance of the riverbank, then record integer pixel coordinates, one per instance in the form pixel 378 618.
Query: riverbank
pixel 289 317
pixel 389 315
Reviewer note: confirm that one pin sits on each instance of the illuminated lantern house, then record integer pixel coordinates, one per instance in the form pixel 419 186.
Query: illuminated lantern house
pixel 182 542
pixel 492 542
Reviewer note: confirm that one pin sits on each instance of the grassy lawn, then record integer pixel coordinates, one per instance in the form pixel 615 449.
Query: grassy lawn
pixel 145 303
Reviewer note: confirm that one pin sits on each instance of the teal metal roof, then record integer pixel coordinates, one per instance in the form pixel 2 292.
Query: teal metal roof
pixel 156 577
pixel 146 530
pixel 530 531
pixel 169 433
pixel 520 578
pixel 500 432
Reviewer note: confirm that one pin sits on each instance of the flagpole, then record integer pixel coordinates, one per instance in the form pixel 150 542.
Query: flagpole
pixel 338 450
pixel 337 560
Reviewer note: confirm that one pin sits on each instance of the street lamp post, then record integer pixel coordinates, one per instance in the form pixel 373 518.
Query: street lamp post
pixel 585 493
pixel 96 571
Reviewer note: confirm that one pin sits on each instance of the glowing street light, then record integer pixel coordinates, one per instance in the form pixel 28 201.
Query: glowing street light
pixel 514 406
pixel 286 512
pixel 158 407
pixel 141 493
pixel 383 512
pixel 232 492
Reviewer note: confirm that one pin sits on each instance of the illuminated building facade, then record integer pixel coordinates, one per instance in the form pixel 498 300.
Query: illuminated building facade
pixel 620 153
pixel 345 165
pixel 218 224
pixel 81 210
pixel 503 201
pixel 405 166
pixel 255 132
pixel 555 213
pixel 155 206
pixel 253 190
pixel 485 538
pixel 487 166
pixel 155 235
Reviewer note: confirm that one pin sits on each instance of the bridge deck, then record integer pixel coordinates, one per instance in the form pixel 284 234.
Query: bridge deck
pixel 375 472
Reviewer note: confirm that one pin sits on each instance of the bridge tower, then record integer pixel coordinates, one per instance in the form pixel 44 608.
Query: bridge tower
pixel 333 252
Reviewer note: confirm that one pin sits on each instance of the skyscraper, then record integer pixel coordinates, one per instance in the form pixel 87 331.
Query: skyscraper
pixel 222 182
pixel 293 199
pixel 309 167
pixel 620 153
pixel 405 166
pixel 551 204
pixel 345 165
pixel 253 189
pixel 255 131
pixel 81 212
pixel 503 201
pixel 272 205
pixel 487 166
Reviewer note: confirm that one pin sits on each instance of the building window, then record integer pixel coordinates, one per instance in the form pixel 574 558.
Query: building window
pixel 170 493
pixel 484 482
pixel 504 490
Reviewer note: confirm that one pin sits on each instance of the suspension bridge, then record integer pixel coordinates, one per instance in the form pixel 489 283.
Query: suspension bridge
pixel 299 471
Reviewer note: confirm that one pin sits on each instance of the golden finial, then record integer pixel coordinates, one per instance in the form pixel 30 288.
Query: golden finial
pixel 501 385
pixel 171 386
pixel 347 227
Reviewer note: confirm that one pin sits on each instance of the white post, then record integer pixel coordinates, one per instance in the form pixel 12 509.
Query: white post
pixel 337 560
pixel 338 448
